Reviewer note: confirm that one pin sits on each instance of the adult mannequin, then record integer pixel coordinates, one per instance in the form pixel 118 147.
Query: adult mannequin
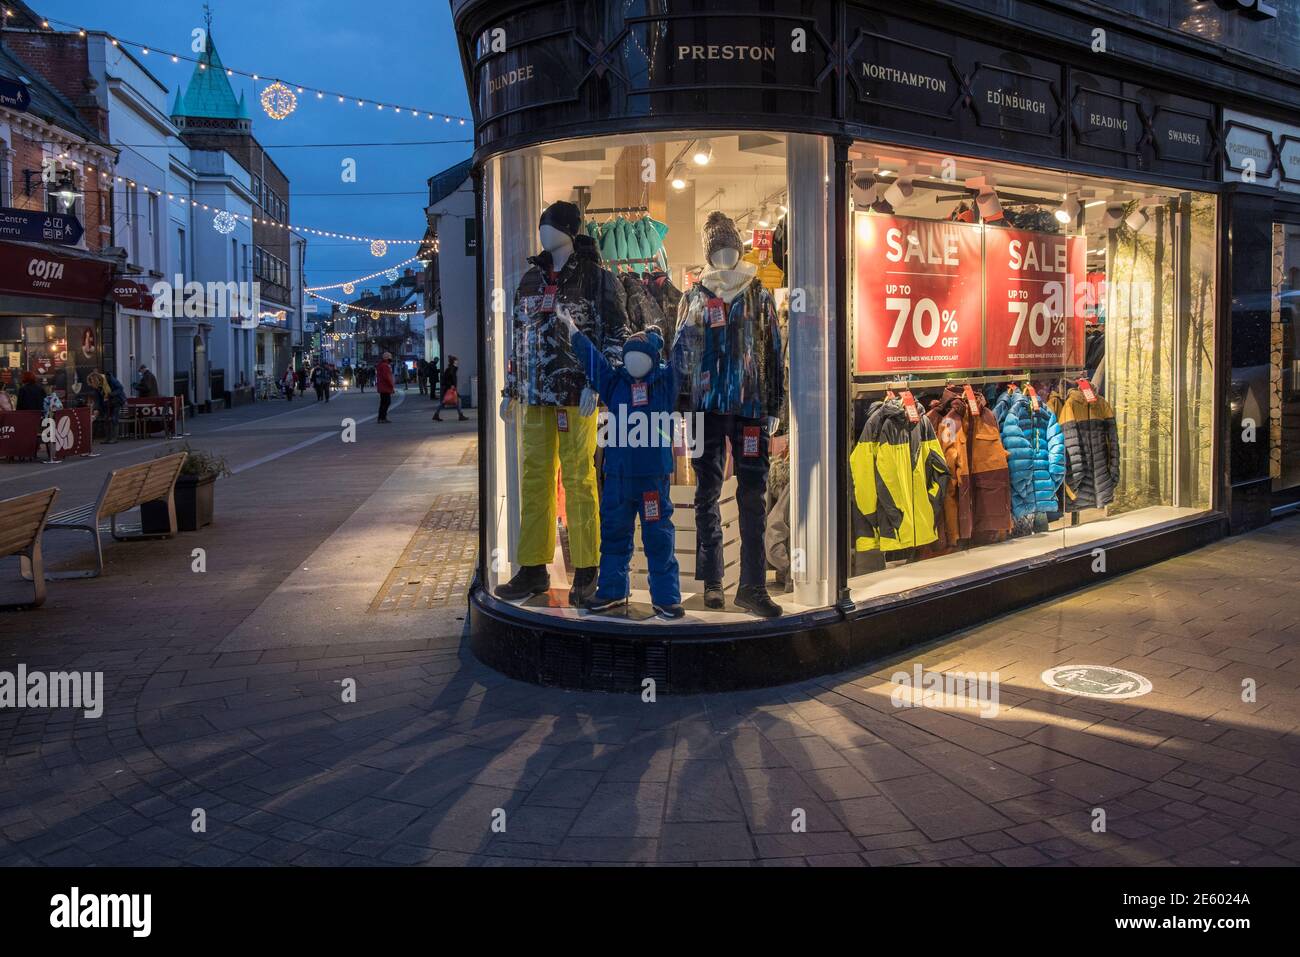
pixel 729 350
pixel 552 403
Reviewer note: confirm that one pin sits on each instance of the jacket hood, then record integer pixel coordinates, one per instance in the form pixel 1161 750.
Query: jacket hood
pixel 727 284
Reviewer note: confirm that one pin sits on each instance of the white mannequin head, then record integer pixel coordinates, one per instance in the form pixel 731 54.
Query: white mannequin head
pixel 637 364
pixel 725 258
pixel 553 240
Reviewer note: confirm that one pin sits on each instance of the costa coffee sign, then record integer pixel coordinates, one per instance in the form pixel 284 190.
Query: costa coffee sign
pixel 132 294
pixel 25 271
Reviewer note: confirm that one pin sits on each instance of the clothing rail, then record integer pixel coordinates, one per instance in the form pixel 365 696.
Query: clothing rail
pixel 898 385
pixel 597 210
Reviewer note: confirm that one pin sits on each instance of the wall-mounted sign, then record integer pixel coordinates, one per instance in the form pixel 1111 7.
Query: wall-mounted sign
pixel 14 95
pixel 917 295
pixel 1106 121
pixel 1037 297
pixel 132 293
pixel 25 271
pixel 1010 99
pixel 34 226
pixel 887 71
pixel 1261 152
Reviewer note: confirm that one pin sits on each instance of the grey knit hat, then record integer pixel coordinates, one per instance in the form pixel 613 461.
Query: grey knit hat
pixel 720 233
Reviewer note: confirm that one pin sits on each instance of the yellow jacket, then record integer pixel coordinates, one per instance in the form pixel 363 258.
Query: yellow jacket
pixel 899 480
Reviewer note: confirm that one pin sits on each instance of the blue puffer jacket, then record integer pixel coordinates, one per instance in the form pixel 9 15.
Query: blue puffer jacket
pixel 1035 454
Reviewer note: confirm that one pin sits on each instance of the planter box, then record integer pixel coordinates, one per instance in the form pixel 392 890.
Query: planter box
pixel 194 507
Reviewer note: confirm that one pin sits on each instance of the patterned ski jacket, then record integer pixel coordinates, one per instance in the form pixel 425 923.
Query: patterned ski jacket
pixel 730 342
pixel 900 478
pixel 542 368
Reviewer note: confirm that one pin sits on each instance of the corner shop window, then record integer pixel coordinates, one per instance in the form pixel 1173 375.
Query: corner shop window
pixel 1031 367
pixel 706 468
pixel 1284 445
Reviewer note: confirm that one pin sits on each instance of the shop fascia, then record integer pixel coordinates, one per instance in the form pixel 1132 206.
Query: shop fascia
pixel 1261 152
pixel 241 301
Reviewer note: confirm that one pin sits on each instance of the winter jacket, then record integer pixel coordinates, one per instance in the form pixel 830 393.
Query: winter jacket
pixel 31 397
pixel 990 474
pixel 1035 452
pixel 638 438
pixel 384 378
pixel 668 298
pixel 900 478
pixel 955 523
pixel 543 369
pixel 735 367
pixel 450 378
pixel 1091 450
pixel 769 273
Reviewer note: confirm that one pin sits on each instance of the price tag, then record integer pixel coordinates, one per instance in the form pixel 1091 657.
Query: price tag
pixel 909 406
pixel 717 313
pixel 1033 397
pixel 650 507
pixel 969 394
pixel 749 440
pixel 562 420
pixel 1086 388
pixel 548 298
pixel 639 394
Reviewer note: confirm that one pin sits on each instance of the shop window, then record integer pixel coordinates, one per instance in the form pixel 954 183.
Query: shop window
pixel 701 481
pixel 1031 364
pixel 1284 444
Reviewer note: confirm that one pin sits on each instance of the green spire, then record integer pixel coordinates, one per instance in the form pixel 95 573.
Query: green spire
pixel 210 95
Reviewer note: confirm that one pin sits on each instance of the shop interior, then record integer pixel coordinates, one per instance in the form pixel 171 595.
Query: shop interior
pixel 1123 439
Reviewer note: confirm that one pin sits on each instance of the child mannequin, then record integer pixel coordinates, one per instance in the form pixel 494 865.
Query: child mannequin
pixel 636 473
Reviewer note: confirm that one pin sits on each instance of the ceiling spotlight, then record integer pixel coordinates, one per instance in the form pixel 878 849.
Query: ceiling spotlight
pixel 763 221
pixel 677 177
pixel 703 154
pixel 1114 215
pixel 1068 212
pixel 899 190
pixel 1137 219
pixel 987 203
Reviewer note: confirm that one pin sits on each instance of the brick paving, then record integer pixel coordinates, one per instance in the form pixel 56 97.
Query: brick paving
pixel 441 761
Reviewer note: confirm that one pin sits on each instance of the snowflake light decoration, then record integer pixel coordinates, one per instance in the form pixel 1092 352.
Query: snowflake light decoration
pixel 278 101
pixel 343 310
pixel 378 248
pixel 374 316
pixel 224 222
pixel 392 275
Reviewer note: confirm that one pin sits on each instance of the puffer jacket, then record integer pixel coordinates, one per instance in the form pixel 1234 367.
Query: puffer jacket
pixel 735 368
pixel 1091 450
pixel 990 475
pixel 543 369
pixel 1036 454
pixel 669 298
pixel 955 523
pixel 900 478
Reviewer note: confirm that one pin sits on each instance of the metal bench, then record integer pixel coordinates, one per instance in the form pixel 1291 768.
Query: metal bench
pixel 123 490
pixel 22 520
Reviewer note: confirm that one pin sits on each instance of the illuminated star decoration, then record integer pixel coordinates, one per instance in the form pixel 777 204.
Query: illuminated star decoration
pixel 349 289
pixel 379 248
pixel 278 101
pixel 224 222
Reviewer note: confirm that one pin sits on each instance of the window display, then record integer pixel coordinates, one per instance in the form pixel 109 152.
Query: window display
pixel 1031 369
pixel 639 316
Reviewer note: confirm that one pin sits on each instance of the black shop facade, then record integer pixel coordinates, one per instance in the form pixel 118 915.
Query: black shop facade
pixel 936 327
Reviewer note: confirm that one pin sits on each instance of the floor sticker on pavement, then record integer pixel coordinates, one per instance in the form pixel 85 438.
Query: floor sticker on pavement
pixel 437 564
pixel 1096 681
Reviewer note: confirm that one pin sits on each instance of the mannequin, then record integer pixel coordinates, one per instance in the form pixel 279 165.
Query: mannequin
pixel 551 402
pixel 728 348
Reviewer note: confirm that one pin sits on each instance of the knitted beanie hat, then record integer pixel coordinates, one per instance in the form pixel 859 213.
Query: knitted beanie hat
pixel 566 217
pixel 720 233
pixel 649 340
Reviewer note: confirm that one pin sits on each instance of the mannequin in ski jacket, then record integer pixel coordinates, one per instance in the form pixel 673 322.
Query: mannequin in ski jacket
pixel 543 369
pixel 1036 456
pixel 900 478
pixel 1091 450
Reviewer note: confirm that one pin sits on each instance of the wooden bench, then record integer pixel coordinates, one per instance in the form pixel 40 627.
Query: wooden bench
pixel 22 520
pixel 123 490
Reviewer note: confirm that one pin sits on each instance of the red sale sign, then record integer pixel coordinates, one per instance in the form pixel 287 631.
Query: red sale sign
pixel 1038 294
pixel 917 295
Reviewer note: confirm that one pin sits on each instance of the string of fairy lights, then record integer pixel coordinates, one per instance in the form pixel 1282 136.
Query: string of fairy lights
pixel 349 287
pixel 283 97
pixel 345 308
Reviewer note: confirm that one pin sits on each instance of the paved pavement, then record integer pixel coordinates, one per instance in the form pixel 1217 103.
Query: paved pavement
pixel 225 694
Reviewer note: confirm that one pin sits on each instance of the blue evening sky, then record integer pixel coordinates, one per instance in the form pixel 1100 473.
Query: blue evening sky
pixel 395 51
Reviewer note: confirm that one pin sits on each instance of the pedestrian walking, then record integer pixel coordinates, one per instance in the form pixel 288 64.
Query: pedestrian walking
pixel 146 385
pixel 320 379
pixel 302 378
pixel 288 382
pixel 450 390
pixel 384 385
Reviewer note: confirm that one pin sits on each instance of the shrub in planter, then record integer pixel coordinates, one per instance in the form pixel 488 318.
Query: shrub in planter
pixel 194 494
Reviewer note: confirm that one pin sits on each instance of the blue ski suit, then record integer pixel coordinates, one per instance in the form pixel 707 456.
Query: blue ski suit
pixel 638 466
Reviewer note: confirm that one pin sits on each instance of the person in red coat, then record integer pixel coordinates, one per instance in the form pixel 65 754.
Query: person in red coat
pixel 384 385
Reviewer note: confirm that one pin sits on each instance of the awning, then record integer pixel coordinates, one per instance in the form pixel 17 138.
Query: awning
pixel 36 271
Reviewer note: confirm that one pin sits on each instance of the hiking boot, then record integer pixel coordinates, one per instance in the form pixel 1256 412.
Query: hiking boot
pixel 713 596
pixel 584 586
pixel 671 612
pixel 529 581
pixel 754 599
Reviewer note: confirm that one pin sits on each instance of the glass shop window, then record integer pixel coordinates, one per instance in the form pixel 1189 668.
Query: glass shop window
pixel 659 354
pixel 1031 363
